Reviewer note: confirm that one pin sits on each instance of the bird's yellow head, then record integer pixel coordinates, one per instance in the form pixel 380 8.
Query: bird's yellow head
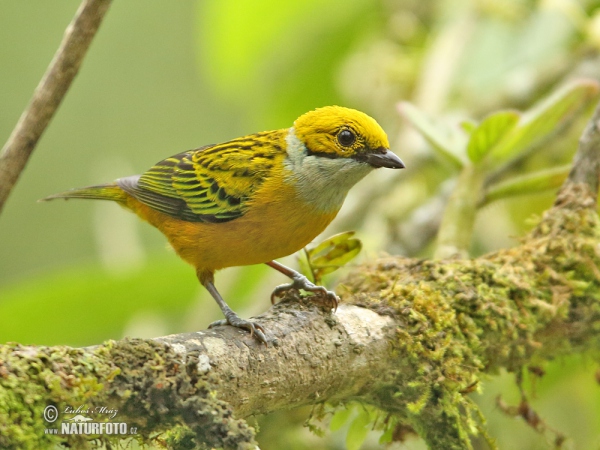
pixel 329 150
pixel 337 132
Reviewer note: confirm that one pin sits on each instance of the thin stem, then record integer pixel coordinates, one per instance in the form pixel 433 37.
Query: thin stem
pixel 456 229
pixel 49 93
pixel 586 163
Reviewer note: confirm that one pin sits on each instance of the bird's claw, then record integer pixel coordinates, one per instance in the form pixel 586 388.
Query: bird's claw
pixel 301 282
pixel 254 328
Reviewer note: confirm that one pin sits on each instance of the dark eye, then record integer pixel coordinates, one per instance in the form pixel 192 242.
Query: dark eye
pixel 346 138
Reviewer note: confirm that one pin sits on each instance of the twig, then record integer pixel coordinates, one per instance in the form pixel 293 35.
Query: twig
pixel 586 163
pixel 458 220
pixel 49 93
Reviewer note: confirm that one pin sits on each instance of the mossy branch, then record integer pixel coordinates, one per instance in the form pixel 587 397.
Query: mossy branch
pixel 413 338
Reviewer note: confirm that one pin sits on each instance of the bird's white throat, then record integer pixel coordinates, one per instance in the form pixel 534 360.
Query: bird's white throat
pixel 320 181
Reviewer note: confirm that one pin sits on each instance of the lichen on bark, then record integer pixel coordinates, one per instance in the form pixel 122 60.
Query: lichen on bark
pixel 461 318
pixel 164 395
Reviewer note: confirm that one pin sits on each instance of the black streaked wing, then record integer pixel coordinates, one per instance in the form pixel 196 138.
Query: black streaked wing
pixel 168 205
pixel 210 184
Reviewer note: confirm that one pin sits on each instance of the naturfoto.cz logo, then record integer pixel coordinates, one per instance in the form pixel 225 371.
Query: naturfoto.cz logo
pixel 81 424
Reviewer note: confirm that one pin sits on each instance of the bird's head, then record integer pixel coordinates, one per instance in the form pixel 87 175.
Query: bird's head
pixel 336 132
pixel 330 149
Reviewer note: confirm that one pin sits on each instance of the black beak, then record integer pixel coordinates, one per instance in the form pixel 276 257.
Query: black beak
pixel 385 159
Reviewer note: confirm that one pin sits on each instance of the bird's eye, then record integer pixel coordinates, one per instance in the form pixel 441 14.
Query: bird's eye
pixel 346 138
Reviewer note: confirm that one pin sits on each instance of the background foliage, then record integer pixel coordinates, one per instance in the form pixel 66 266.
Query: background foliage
pixel 167 77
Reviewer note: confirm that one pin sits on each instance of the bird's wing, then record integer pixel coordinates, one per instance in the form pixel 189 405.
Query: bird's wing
pixel 211 184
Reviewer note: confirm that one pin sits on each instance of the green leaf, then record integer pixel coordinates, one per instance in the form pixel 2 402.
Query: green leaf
pixel 489 132
pixel 358 430
pixel 532 183
pixel 339 419
pixel 447 142
pixel 388 433
pixel 304 264
pixel 544 118
pixel 468 126
pixel 332 253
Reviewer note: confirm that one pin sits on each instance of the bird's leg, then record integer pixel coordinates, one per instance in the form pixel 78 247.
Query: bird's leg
pixel 231 318
pixel 299 281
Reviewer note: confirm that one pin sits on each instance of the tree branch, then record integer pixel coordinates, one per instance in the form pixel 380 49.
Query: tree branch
pixel 156 385
pixel 586 164
pixel 49 93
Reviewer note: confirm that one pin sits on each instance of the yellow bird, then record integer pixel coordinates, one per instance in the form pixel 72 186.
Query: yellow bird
pixel 255 198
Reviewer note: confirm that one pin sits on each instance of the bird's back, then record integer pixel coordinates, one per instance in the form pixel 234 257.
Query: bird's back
pixel 212 184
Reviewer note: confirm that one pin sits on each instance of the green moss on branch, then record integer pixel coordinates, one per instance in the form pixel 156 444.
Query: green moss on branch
pixel 460 319
pixel 153 389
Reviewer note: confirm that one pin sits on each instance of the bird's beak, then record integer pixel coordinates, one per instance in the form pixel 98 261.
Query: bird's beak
pixel 385 158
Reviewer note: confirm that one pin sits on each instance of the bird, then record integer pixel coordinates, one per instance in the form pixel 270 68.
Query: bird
pixel 255 198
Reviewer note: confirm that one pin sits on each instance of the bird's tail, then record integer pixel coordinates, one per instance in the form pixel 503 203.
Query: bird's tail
pixel 108 191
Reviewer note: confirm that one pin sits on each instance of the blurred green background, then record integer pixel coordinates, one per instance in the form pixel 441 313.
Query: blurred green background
pixel 163 77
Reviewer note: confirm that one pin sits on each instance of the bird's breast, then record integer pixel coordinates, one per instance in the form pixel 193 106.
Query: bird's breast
pixel 277 223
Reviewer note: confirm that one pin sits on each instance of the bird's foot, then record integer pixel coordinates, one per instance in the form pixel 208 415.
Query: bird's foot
pixel 330 299
pixel 254 328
